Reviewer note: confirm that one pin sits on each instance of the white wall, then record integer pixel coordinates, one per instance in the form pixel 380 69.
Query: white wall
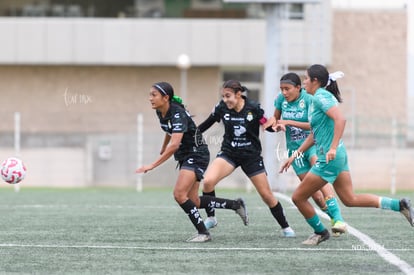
pixel 146 42
pixel 369 4
pixel 54 167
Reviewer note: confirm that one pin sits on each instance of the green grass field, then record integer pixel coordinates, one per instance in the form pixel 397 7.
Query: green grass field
pixel 121 231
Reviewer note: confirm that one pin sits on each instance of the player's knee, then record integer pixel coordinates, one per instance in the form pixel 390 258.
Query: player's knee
pixel 208 185
pixel 296 198
pixel 180 197
pixel 348 202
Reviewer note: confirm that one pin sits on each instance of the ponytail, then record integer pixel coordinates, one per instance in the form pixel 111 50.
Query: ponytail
pixel 332 86
pixel 326 80
pixel 333 89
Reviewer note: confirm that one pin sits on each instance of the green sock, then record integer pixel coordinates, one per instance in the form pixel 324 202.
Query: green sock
pixel 388 203
pixel 316 224
pixel 333 209
pixel 326 210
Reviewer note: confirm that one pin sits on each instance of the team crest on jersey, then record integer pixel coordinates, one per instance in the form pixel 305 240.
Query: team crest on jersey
pixel 249 116
pixel 302 104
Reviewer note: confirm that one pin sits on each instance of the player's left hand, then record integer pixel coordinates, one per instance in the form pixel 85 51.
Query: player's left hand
pixel 287 164
pixel 144 169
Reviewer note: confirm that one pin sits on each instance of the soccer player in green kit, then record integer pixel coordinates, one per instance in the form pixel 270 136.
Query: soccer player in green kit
pixel 327 126
pixel 291 116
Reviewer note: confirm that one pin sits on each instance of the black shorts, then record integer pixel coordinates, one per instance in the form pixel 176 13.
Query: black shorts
pixel 197 163
pixel 251 165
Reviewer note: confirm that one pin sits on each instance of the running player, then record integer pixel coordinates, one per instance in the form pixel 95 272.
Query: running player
pixel 327 126
pixel 291 116
pixel 186 143
pixel 240 147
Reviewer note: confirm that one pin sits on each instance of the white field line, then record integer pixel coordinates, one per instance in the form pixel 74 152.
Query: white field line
pixel 65 206
pixel 4 245
pixel 374 246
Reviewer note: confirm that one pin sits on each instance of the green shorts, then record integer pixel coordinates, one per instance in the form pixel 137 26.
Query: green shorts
pixel 302 164
pixel 329 172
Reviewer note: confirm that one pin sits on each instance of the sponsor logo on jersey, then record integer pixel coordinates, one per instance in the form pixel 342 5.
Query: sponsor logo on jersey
pixel 239 130
pixel 237 119
pixel 297 133
pixel 295 114
pixel 226 116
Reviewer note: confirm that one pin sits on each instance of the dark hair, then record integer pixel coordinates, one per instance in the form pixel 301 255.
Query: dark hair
pixel 165 88
pixel 235 86
pixel 321 74
pixel 291 78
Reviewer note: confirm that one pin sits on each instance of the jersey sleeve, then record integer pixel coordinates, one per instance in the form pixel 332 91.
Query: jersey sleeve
pixel 217 111
pixel 212 118
pixel 206 123
pixel 324 101
pixel 260 114
pixel 278 102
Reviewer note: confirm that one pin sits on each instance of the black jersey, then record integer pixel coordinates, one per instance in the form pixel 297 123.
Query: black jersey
pixel 241 129
pixel 178 120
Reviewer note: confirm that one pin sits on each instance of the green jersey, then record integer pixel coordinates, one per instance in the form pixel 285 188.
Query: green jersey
pixel 296 110
pixel 322 126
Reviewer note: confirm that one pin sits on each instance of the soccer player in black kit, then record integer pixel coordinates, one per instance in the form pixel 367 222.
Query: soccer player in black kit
pixel 240 147
pixel 186 143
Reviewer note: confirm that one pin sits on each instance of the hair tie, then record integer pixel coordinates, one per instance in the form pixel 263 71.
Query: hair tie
pixel 177 99
pixel 334 76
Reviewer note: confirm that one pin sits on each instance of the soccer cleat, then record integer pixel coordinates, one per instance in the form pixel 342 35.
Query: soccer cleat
pixel 210 222
pixel 407 210
pixel 316 238
pixel 199 238
pixel 288 232
pixel 338 228
pixel 242 211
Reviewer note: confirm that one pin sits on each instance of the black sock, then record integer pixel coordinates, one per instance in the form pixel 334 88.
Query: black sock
pixel 209 209
pixel 192 211
pixel 209 202
pixel 279 215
